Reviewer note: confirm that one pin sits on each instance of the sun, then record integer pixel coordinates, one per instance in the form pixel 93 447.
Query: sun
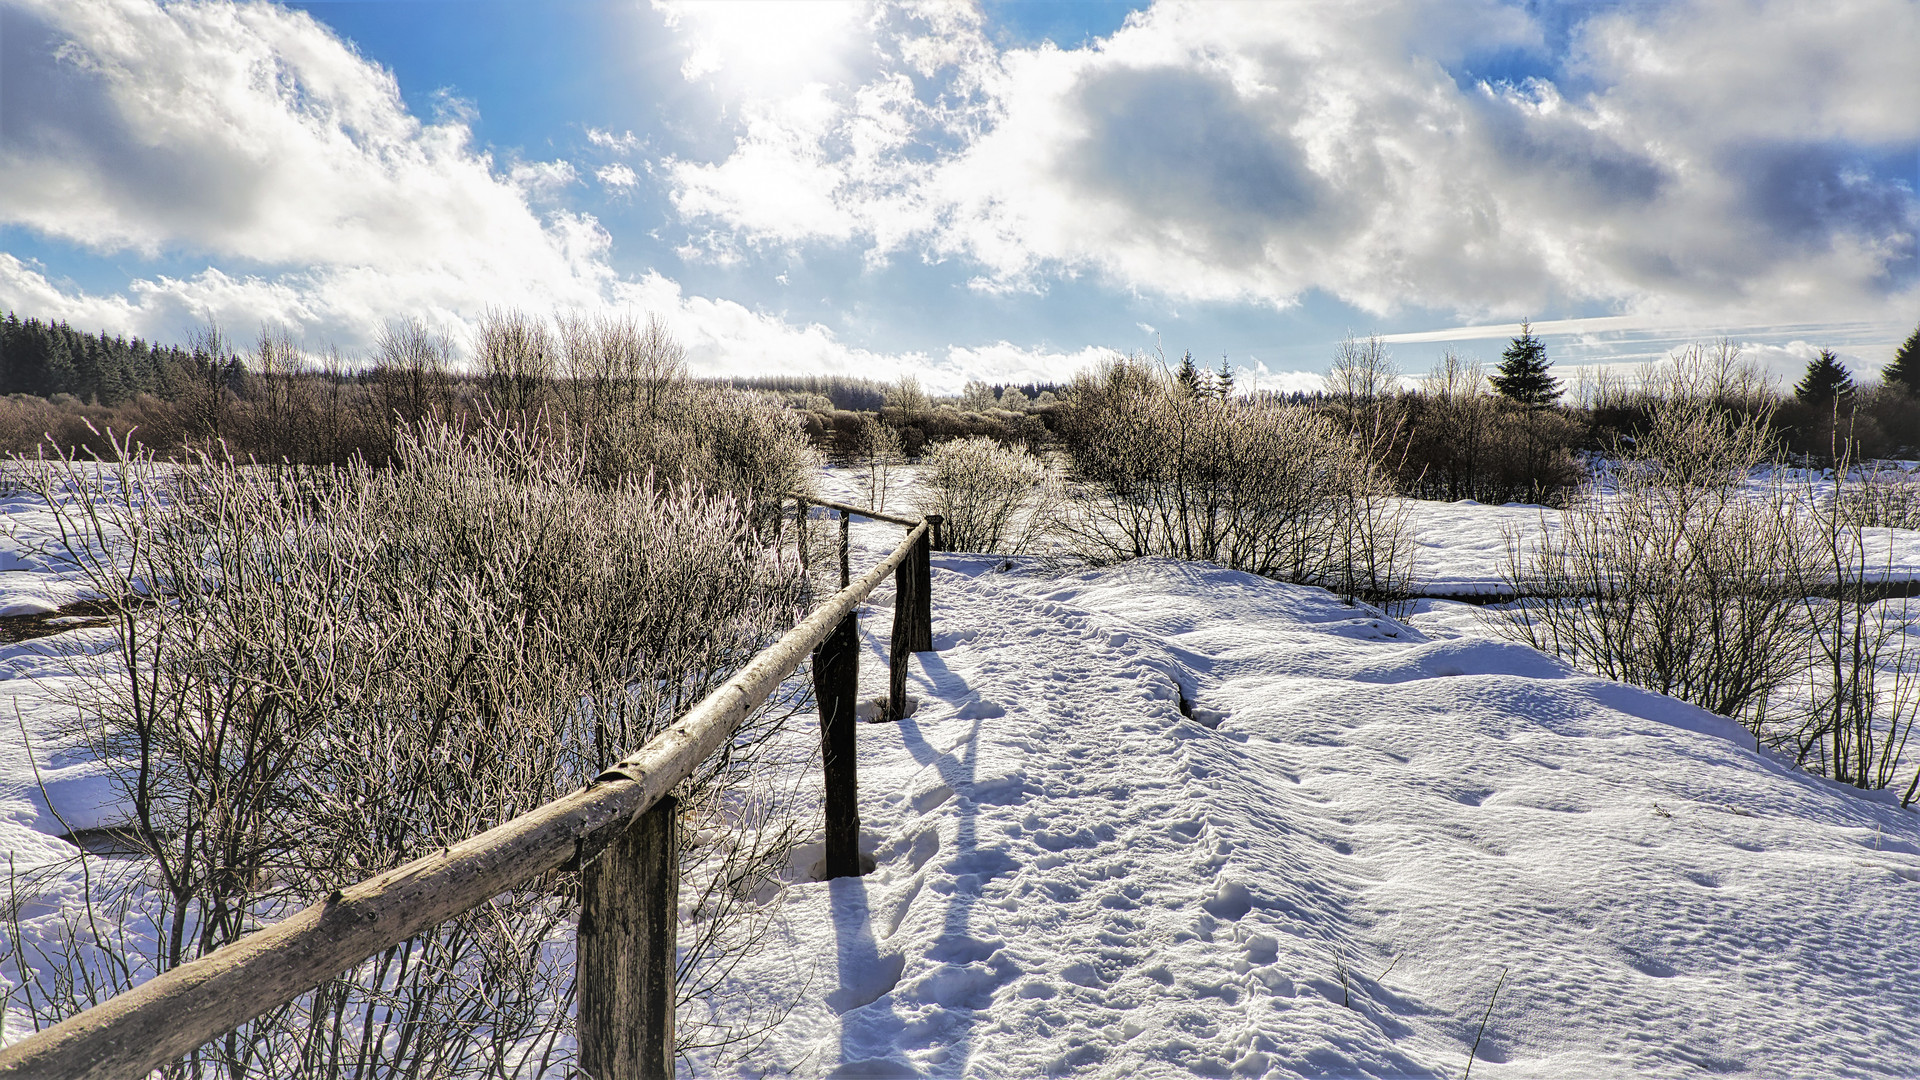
pixel 765 45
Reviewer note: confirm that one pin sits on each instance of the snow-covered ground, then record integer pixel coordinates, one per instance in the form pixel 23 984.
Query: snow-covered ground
pixel 32 580
pixel 1460 549
pixel 1074 878
pixel 1363 829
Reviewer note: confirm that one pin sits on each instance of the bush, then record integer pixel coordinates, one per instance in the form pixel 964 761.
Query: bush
pixel 1863 690
pixel 1669 572
pixel 626 393
pixel 992 498
pixel 350 667
pixel 1271 489
pixel 1697 568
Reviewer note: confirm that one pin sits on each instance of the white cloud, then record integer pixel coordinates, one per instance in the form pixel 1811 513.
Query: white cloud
pixel 1709 163
pixel 623 143
pixel 252 135
pixel 618 177
pixel 766 45
pixel 726 338
pixel 543 180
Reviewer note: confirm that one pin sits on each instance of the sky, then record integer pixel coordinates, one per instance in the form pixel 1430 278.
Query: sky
pixel 997 190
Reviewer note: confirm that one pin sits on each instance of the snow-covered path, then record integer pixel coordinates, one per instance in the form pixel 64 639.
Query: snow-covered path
pixel 1074 878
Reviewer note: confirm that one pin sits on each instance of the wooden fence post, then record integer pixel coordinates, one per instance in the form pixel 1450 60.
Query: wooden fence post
pixel 939 540
pixel 922 562
pixel 801 524
pixel 836 688
pixel 901 641
pixel 846 522
pixel 629 926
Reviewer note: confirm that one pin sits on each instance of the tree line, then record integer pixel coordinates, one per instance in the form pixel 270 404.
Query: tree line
pixel 49 358
pixel 1506 432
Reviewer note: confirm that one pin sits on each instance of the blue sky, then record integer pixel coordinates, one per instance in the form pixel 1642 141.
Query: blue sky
pixel 998 190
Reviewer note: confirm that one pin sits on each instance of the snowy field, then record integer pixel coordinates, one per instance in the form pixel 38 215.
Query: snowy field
pixel 1460 549
pixel 1327 870
pixel 1363 829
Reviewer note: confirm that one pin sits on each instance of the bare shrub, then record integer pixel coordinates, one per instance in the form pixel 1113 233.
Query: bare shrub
pixel 1673 573
pixel 1275 490
pixel 877 453
pixel 1862 692
pixel 1882 498
pixel 992 498
pixel 1698 568
pixel 318 675
pixel 1716 374
pixel 1456 414
pixel 1453 438
pixel 626 392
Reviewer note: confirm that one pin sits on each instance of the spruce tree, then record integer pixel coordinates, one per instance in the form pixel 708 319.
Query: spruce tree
pixel 1825 380
pixel 1904 372
pixel 1223 380
pixel 1188 377
pixel 1523 377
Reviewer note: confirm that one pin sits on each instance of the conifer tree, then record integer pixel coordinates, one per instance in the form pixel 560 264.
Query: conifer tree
pixel 1904 372
pixel 1825 380
pixel 1188 377
pixel 1223 380
pixel 1523 377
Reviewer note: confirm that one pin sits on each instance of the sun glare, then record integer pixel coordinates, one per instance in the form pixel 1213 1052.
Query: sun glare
pixel 766 44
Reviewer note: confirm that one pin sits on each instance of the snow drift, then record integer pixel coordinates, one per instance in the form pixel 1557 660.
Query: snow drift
pixel 1330 865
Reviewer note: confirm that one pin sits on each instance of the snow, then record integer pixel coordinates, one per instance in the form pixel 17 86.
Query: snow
pixel 1460 548
pixel 1363 826
pixel 1088 882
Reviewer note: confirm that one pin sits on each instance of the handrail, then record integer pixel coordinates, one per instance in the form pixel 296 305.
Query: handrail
pixel 849 508
pixel 164 1018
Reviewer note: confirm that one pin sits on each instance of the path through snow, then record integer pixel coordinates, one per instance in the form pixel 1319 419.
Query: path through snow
pixel 1074 878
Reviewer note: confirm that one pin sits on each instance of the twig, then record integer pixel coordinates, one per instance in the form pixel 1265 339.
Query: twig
pixel 1471 1054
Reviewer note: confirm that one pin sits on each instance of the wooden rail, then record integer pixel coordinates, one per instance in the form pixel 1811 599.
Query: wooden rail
pixel 849 508
pixel 620 830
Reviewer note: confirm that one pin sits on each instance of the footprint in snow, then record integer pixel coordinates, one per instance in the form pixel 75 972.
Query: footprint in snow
pixel 1230 901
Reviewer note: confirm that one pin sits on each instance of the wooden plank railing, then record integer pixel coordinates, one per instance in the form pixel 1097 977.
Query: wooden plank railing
pixel 620 830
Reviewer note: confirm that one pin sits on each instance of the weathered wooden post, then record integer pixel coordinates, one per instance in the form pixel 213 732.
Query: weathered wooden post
pixel 922 561
pixel 629 926
pixel 836 687
pixel 939 541
pixel 801 524
pixel 900 644
pixel 846 522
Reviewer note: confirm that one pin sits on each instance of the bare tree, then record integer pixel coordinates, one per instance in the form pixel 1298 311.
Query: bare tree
pixel 518 359
pixel 413 369
pixel 878 453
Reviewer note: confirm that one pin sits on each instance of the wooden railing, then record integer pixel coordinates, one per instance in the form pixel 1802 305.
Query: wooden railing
pixel 620 830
